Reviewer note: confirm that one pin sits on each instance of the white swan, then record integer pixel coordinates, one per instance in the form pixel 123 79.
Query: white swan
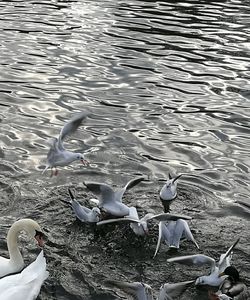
pixel 25 285
pixel 15 263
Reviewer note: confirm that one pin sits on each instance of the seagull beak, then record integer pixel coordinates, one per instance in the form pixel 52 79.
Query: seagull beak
pixel 84 162
pixel 39 239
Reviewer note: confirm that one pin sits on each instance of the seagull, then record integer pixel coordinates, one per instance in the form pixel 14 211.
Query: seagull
pixel 109 200
pixel 58 155
pixel 84 214
pixel 169 192
pixel 172 232
pixel 140 226
pixel 142 291
pixel 213 278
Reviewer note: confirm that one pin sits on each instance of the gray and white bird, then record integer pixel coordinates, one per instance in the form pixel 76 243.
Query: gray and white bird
pixel 142 291
pixel 172 232
pixel 140 225
pixel 169 192
pixel 58 155
pixel 110 201
pixel 83 213
pixel 213 279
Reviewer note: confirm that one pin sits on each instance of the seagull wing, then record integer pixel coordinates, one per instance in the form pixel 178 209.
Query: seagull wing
pixel 226 257
pixel 136 289
pixel 133 182
pixel 170 291
pixel 162 233
pixel 125 219
pixel 53 155
pixel 168 217
pixel 196 259
pixel 102 190
pixel 71 126
pixel 177 232
pixel 188 234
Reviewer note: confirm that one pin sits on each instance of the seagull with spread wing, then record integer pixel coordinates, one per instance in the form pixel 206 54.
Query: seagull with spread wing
pixel 110 201
pixel 142 291
pixel 140 225
pixel 213 279
pixel 58 155
pixel 172 232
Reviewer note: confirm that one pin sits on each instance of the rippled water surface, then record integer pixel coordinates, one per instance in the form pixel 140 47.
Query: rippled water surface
pixel 167 84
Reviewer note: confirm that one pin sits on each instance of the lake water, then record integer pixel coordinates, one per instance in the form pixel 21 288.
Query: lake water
pixel 167 84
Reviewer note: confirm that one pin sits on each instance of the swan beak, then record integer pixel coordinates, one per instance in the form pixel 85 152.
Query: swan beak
pixel 39 238
pixel 84 162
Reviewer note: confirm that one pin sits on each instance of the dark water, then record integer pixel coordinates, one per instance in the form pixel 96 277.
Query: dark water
pixel 167 84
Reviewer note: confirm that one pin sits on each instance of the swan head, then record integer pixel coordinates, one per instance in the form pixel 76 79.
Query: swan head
pixel 32 228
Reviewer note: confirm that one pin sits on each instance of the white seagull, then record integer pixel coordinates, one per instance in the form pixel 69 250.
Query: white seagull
pixel 110 201
pixel 169 192
pixel 172 232
pixel 83 213
pixel 140 225
pixel 213 279
pixel 142 291
pixel 58 155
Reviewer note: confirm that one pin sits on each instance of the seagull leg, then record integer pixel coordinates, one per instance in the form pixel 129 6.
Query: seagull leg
pixel 56 171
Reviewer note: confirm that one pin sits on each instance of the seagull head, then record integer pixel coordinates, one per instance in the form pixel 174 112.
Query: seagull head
pixel 97 213
pixel 80 157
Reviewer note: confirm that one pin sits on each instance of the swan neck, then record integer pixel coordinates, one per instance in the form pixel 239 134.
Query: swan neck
pixel 12 238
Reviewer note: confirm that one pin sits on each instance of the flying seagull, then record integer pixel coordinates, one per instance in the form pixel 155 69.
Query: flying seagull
pixel 58 155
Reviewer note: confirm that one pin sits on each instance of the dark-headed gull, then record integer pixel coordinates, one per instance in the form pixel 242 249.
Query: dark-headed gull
pixel 169 192
pixel 172 232
pixel 140 226
pixel 110 201
pixel 142 291
pixel 213 279
pixel 83 213
pixel 58 155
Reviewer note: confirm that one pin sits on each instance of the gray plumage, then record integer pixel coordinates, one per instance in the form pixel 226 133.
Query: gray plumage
pixel 172 232
pixel 142 291
pixel 213 278
pixel 140 225
pixel 58 155
pixel 83 213
pixel 169 192
pixel 109 200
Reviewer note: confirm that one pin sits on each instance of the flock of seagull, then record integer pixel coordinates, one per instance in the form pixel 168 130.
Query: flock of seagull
pixel 17 282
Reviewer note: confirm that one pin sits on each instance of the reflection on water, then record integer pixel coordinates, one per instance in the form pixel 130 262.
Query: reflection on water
pixel 167 83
